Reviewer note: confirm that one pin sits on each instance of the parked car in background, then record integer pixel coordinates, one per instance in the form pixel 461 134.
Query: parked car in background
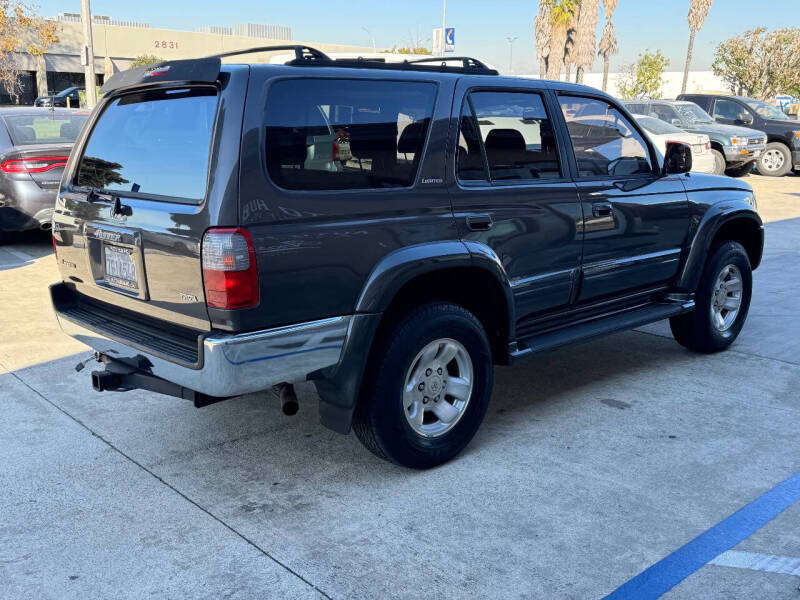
pixel 34 147
pixel 70 96
pixel 783 134
pixel 472 220
pixel 662 133
pixel 735 149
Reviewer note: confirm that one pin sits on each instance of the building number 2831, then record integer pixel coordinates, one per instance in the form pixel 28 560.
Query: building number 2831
pixel 166 44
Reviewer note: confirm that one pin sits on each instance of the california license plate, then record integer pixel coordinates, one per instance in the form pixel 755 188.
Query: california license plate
pixel 120 268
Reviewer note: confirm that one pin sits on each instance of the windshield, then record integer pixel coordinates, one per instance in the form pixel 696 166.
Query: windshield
pixel 767 111
pixel 657 126
pixel 65 92
pixel 50 129
pixel 155 143
pixel 693 113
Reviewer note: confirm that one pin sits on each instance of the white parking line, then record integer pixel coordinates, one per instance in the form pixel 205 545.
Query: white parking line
pixel 786 565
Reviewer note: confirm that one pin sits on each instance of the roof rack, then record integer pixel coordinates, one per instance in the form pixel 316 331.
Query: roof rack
pixel 300 52
pixel 468 65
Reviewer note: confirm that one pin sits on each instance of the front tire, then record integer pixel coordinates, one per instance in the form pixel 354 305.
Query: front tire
pixel 427 387
pixel 721 302
pixel 776 160
pixel 719 162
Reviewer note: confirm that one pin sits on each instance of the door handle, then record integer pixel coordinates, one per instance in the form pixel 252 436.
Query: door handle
pixel 603 209
pixel 479 222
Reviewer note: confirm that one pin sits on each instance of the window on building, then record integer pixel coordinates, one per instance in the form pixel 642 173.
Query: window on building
pixel 332 135
pixel 514 132
pixel 604 141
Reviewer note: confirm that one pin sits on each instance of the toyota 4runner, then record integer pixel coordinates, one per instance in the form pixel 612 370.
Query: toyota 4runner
pixel 387 231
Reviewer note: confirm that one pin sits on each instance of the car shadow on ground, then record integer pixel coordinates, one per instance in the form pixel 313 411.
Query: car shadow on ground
pixel 159 430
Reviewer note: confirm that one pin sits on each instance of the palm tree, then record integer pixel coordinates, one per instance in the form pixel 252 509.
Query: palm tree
pixel 541 28
pixel 561 14
pixel 608 41
pixel 698 10
pixel 586 37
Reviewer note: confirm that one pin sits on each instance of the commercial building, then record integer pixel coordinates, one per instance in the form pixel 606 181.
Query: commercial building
pixel 118 43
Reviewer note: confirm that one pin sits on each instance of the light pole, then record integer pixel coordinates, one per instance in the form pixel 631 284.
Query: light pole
pixel 444 24
pixel 372 37
pixel 88 54
pixel 511 41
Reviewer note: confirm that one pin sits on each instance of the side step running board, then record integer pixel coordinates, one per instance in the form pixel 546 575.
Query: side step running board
pixel 598 327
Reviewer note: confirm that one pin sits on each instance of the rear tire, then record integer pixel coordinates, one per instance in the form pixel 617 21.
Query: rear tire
pixel 427 387
pixel 721 302
pixel 776 160
pixel 719 162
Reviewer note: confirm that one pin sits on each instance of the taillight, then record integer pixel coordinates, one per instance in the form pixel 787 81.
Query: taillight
pixel 38 164
pixel 708 145
pixel 55 247
pixel 230 276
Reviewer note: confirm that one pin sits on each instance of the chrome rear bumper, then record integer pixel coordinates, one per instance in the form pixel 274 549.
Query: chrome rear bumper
pixel 233 364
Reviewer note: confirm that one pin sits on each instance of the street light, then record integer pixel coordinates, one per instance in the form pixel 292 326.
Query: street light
pixel 511 41
pixel 372 37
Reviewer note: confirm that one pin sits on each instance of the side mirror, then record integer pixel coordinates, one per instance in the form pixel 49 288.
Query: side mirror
pixel 744 119
pixel 678 158
pixel 676 122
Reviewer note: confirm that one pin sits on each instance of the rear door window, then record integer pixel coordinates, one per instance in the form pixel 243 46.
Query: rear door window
pixel 154 143
pixel 35 129
pixel 326 134
pixel 515 133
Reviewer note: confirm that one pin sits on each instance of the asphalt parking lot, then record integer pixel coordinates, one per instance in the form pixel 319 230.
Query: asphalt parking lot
pixel 595 462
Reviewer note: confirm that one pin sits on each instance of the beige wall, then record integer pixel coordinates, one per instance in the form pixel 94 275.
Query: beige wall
pixel 129 42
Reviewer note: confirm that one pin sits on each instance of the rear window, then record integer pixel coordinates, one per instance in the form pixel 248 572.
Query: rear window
pixel 44 129
pixel 339 135
pixel 155 143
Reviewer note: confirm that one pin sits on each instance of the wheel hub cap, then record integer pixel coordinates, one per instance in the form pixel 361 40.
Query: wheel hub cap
pixel 438 387
pixel 726 298
pixel 773 160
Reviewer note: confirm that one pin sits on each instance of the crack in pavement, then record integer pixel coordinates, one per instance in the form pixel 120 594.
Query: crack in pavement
pixel 166 483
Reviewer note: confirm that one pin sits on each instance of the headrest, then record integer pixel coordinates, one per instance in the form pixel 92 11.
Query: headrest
pixel 505 139
pixel 413 137
pixel 26 133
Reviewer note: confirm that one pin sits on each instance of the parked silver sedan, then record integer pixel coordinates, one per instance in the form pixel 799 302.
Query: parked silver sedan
pixel 34 146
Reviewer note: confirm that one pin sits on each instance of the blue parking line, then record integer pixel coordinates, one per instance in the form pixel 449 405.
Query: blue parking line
pixel 671 570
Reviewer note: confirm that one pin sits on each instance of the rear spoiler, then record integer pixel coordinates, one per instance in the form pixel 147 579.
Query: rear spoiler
pixel 195 70
pixel 198 70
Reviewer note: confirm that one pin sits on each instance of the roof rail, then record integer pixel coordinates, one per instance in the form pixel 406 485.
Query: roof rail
pixel 467 63
pixel 300 52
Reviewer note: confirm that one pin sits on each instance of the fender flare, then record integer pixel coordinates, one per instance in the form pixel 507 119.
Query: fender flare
pixel 714 218
pixel 401 266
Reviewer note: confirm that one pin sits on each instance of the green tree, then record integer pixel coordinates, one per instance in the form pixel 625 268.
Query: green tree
pixel 608 40
pixel 645 77
pixel 541 32
pixel 145 59
pixel 760 63
pixel 698 10
pixel 562 15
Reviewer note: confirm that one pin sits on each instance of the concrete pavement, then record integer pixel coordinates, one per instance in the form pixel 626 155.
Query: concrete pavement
pixel 594 462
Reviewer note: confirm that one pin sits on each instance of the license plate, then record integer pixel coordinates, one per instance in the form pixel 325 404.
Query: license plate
pixel 120 269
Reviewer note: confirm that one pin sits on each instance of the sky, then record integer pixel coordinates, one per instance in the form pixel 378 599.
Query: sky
pixel 481 26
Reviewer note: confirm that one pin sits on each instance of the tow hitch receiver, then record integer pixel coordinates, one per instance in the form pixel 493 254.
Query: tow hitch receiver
pixel 119 376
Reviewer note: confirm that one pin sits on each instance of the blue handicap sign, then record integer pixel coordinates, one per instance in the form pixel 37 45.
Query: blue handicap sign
pixel 449 39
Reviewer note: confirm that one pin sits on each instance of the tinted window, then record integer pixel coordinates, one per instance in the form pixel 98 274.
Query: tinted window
pixel 516 135
pixel 335 135
pixel 54 129
pixel 152 143
pixel 727 109
pixel 664 112
pixel 604 141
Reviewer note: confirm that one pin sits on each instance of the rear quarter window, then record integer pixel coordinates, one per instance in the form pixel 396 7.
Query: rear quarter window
pixel 154 143
pixel 326 134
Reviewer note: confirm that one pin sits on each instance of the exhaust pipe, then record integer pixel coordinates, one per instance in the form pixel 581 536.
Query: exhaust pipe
pixel 289 404
pixel 46 226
